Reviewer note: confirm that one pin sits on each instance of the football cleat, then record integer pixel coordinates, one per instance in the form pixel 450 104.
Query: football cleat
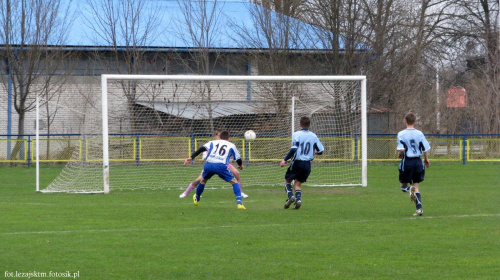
pixel 182 195
pixel 241 207
pixel 289 202
pixel 297 204
pixel 195 201
pixel 419 212
pixel 244 195
pixel 413 197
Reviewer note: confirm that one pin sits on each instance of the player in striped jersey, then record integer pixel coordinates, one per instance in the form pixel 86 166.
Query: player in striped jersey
pixel 233 170
pixel 305 144
pixel 411 146
pixel 219 154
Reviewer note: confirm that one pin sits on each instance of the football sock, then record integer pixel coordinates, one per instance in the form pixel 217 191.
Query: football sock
pixel 288 189
pixel 405 188
pixel 199 190
pixel 418 201
pixel 189 188
pixel 298 195
pixel 237 192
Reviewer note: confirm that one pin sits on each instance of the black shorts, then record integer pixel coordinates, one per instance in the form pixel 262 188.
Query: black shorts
pixel 411 170
pixel 298 170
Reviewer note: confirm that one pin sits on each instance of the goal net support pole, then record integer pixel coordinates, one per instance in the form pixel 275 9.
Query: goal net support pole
pixel 364 133
pixel 105 133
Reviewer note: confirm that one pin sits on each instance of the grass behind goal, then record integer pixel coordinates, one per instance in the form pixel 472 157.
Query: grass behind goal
pixel 339 233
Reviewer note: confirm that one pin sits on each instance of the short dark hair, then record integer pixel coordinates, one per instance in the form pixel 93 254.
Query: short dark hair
pixel 224 135
pixel 410 118
pixel 218 132
pixel 305 122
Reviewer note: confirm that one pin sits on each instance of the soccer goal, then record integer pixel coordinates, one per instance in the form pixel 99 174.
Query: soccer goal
pixel 135 131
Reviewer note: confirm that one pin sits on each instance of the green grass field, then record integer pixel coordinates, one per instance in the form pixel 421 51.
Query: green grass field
pixel 339 233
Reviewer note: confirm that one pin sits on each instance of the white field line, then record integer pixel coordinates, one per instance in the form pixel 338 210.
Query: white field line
pixel 28 203
pixel 240 226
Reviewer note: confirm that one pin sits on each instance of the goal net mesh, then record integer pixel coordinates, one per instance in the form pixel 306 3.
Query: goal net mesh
pixel 154 125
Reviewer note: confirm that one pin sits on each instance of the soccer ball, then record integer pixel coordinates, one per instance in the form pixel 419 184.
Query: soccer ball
pixel 250 135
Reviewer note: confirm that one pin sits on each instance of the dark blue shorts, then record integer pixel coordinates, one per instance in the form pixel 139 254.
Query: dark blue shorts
pixel 411 170
pixel 298 170
pixel 210 169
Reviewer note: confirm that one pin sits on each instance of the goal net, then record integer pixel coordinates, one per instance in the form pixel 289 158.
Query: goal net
pixel 135 131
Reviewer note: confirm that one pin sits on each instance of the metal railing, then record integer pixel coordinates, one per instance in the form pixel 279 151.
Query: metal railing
pixel 62 148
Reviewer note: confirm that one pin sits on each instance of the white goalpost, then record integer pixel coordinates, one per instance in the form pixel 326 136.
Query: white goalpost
pixel 134 131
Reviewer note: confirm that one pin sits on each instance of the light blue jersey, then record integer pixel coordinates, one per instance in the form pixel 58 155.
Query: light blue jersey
pixel 413 142
pixel 306 143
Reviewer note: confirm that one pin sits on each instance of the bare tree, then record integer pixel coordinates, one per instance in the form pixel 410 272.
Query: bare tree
pixel 341 31
pixel 283 46
pixel 277 31
pixel 476 38
pixel 404 38
pixel 33 34
pixel 128 27
pixel 202 21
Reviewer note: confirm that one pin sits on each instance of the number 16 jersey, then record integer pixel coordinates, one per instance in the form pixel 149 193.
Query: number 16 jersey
pixel 221 151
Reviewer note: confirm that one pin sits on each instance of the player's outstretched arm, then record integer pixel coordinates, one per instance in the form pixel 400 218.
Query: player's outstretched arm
pixel 195 154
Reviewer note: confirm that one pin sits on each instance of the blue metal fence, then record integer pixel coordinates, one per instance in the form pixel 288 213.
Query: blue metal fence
pixel 464 143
